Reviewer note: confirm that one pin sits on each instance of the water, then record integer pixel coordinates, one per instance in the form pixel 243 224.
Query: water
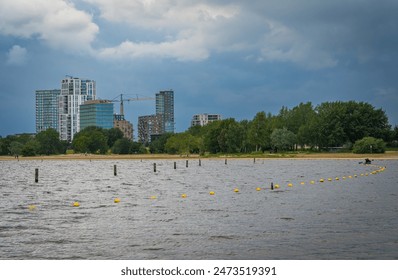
pixel 352 218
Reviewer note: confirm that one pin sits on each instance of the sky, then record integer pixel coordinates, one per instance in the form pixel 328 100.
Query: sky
pixel 228 57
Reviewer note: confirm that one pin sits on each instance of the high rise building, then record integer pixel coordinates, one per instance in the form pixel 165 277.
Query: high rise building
pixel 47 109
pixel 149 126
pixel 97 113
pixel 165 108
pixel 204 119
pixel 74 92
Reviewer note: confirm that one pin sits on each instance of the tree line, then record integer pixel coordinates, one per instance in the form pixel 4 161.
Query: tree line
pixel 352 126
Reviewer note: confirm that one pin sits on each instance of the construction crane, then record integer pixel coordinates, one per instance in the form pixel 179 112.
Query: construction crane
pixel 130 99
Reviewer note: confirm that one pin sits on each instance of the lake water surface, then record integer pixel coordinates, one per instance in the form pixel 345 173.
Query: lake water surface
pixel 355 217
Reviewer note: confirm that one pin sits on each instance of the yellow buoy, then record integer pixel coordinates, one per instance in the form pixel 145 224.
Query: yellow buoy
pixel 321 180
pixel 212 193
pixel 153 197
pixel 337 178
pixel 330 179
pixel 355 176
pixel 76 204
pixel 302 183
pixel 312 182
pixel 350 177
pixel 258 189
pixel 32 207
pixel 290 185
pixel 236 190
pixel 184 195
pixel 276 186
pixel 116 200
pixel 344 178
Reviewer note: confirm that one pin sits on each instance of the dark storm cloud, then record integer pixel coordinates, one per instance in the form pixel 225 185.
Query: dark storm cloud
pixel 229 57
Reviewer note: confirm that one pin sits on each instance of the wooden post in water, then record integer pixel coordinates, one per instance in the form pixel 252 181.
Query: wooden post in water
pixel 254 160
pixel 200 162
pixel 154 167
pixel 115 170
pixel 225 161
pixel 272 185
pixel 175 165
pixel 36 175
pixel 186 164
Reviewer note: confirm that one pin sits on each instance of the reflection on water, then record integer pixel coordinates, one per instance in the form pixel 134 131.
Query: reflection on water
pixel 349 218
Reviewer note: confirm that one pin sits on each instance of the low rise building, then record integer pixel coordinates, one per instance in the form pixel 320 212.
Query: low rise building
pixel 125 126
pixel 204 119
pixel 97 113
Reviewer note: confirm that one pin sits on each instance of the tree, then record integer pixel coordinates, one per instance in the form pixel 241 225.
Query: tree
pixel 113 134
pixel 157 146
pixel 210 140
pixel 283 139
pixel 122 146
pixel 259 132
pixel 16 148
pixel 91 139
pixel 231 136
pixel 48 142
pixel 31 148
pixel 368 145
pixel 183 143
pixel 342 122
pixel 138 148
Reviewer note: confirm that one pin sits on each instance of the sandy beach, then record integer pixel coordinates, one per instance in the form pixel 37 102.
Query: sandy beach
pixel 390 155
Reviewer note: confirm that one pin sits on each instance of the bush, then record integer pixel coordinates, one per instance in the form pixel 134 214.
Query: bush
pixel 369 145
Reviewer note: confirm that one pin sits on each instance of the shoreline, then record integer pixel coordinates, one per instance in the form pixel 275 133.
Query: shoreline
pixel 390 155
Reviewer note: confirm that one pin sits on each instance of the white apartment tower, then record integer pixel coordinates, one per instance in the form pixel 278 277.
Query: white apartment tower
pixel 204 119
pixel 74 92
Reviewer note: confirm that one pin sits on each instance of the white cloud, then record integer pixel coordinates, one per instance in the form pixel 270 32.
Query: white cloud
pixel 16 55
pixel 193 30
pixel 185 30
pixel 57 22
pixel 187 27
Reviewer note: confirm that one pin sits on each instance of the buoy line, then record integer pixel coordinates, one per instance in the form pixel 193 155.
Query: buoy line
pixel 33 207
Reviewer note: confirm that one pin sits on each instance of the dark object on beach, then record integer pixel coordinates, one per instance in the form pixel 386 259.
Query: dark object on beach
pixel 367 161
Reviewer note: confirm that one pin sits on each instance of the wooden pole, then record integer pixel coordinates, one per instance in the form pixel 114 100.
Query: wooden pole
pixel 225 161
pixel 36 175
pixel 175 165
pixel 154 167
pixel 186 164
pixel 200 162
pixel 115 170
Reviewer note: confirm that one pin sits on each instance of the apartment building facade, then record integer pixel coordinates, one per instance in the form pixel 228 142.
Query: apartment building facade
pixel 74 92
pixel 47 109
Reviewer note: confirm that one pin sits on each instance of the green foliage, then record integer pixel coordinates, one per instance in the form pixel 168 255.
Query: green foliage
pixel 330 124
pixel 183 143
pixel 340 122
pixel 91 140
pixel 49 143
pixel 122 146
pixel 259 132
pixel 16 148
pixel 283 139
pixel 30 149
pixel 113 134
pixel 158 146
pixel 369 145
